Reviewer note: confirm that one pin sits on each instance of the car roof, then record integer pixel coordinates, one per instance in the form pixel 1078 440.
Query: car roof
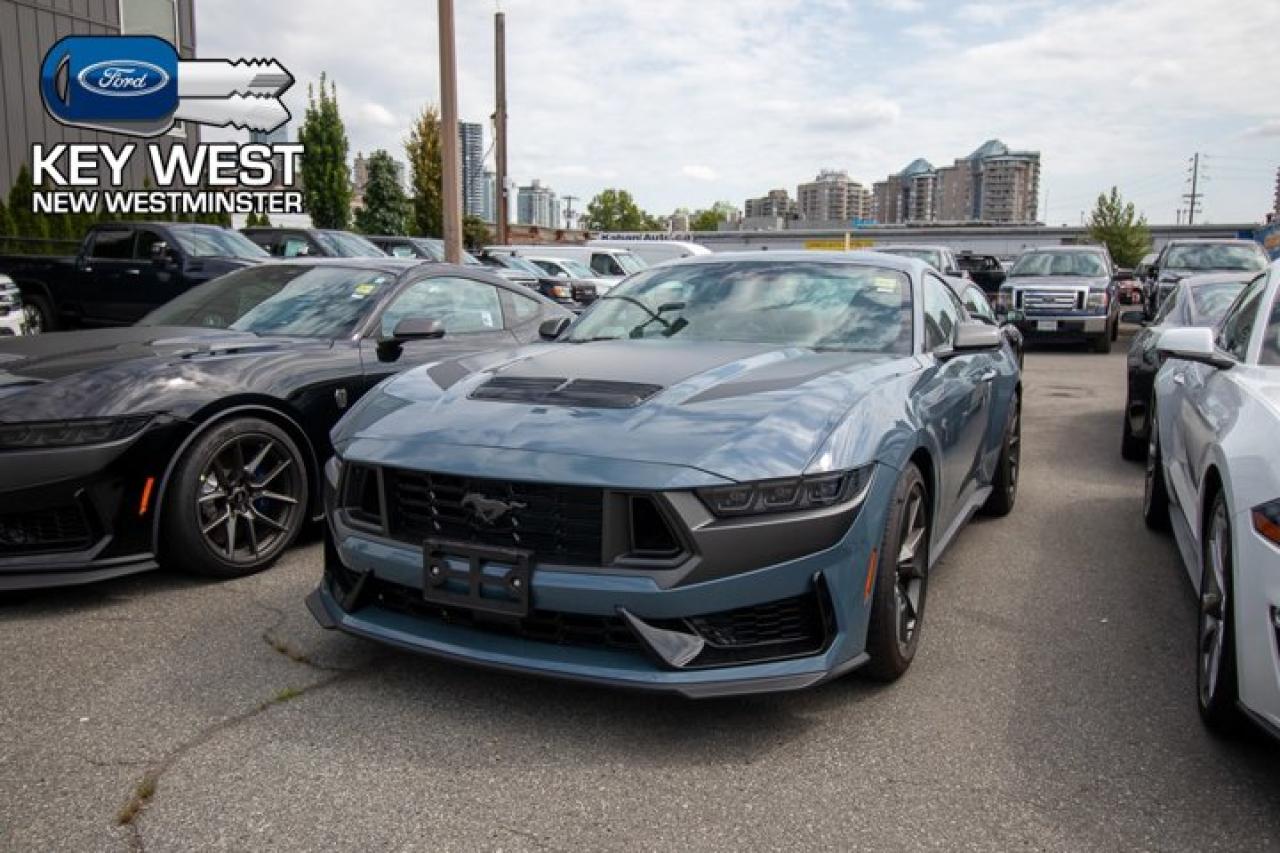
pixel 860 257
pixel 1218 277
pixel 922 246
pixel 1214 241
pixel 388 264
pixel 1070 247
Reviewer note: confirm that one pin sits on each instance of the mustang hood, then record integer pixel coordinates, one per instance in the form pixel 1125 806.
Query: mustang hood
pixel 723 408
pixel 124 370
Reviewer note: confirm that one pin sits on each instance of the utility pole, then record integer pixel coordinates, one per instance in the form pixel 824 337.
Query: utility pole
pixel 449 136
pixel 500 124
pixel 568 209
pixel 1193 197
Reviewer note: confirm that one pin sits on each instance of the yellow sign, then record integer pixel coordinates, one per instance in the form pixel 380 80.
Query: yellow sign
pixel 839 244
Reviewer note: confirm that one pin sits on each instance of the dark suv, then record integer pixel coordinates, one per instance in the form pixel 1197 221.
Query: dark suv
pixel 985 271
pixel 1064 293
pixel 1181 258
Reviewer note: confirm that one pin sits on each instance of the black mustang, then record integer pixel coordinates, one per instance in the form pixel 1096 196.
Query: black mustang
pixel 196 437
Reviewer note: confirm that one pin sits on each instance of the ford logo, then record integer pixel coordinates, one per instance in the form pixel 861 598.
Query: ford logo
pixel 120 78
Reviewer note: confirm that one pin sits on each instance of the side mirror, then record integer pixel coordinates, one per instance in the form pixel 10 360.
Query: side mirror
pixel 1193 343
pixel 160 252
pixel 553 328
pixel 973 337
pixel 418 329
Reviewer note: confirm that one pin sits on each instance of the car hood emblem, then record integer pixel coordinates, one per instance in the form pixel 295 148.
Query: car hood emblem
pixel 488 510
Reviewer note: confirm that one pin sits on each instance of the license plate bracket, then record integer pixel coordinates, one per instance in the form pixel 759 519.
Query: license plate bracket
pixel 1046 325
pixel 494 579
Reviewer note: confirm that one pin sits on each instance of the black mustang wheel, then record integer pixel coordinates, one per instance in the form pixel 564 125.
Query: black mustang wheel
pixel 1155 497
pixel 1215 647
pixel 240 499
pixel 902 581
pixel 1004 485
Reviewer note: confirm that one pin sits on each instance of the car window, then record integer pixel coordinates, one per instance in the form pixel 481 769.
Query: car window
pixel 146 239
pixel 1168 306
pixel 1237 326
pixel 1271 342
pixel 524 308
pixel 1213 300
pixel 976 303
pixel 293 246
pixel 942 313
pixel 113 245
pixel 605 264
pixel 462 306
pixel 399 250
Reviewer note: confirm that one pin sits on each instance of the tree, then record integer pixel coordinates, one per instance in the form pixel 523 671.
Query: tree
pixel 326 180
pixel 426 175
pixel 616 210
pixel 704 220
pixel 6 226
pixel 386 208
pixel 1115 224
pixel 475 233
pixel 264 220
pixel 25 222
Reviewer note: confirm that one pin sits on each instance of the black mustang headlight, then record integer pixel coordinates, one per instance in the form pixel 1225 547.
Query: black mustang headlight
pixel 39 434
pixel 792 494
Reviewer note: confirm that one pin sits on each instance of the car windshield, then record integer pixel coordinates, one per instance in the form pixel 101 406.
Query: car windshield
pixel 344 245
pixel 630 263
pixel 1216 256
pixel 434 248
pixel 1213 300
pixel 1271 342
pixel 804 304
pixel 210 241
pixel 576 269
pixel 1088 264
pixel 279 299
pixel 929 256
pixel 516 263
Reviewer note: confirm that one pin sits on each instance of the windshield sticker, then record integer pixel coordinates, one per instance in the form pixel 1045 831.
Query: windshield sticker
pixel 363 290
pixel 888 284
pixel 487 319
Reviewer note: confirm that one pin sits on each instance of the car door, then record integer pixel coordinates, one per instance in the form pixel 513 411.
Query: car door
pixel 1198 408
pixel 102 275
pixel 955 397
pixel 156 280
pixel 470 310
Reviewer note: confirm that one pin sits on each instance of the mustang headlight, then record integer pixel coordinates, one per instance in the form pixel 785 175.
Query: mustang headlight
pixel 38 434
pixel 786 495
pixel 1266 520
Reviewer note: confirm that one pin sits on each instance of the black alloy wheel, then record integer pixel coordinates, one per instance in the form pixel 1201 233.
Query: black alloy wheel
pixel 1004 485
pixel 902 581
pixel 1155 495
pixel 1216 684
pixel 241 499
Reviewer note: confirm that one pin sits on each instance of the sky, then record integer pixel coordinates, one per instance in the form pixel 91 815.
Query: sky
pixel 685 102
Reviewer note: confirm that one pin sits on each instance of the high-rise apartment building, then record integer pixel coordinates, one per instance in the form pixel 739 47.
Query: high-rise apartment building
pixel 537 205
pixel 471 157
pixel 776 204
pixel 833 197
pixel 993 184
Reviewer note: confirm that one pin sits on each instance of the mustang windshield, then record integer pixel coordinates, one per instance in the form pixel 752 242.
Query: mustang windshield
pixel 283 299
pixel 818 305
pixel 929 256
pixel 1216 256
pixel 210 241
pixel 345 245
pixel 1085 264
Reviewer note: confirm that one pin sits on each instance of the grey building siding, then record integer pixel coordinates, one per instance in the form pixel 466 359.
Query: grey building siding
pixel 28 28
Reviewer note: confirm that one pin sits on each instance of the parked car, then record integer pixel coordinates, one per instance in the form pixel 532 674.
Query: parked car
pixel 312 242
pixel 13 318
pixel 1142 272
pixel 1064 293
pixel 1180 258
pixel 573 294
pixel 606 262
pixel 980 309
pixel 986 270
pixel 567 268
pixel 1129 289
pixel 1198 300
pixel 653 252
pixel 196 437
pixel 426 248
pixel 122 271
pixel 941 258
pixel 1213 475
pixel 735 474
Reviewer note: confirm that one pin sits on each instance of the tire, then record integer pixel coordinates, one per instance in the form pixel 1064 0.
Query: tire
pixel 1132 447
pixel 1217 687
pixel 1102 343
pixel 901 586
pixel 239 498
pixel 39 315
pixel 1115 330
pixel 1155 494
pixel 1004 485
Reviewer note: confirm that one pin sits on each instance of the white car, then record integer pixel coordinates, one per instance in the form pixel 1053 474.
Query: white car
pixel 569 268
pixel 1213 475
pixel 13 319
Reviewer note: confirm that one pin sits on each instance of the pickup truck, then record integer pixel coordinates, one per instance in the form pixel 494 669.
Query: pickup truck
pixel 985 270
pixel 123 271
pixel 1063 293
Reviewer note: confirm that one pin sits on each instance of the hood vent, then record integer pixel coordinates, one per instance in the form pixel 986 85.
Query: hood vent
pixel 556 391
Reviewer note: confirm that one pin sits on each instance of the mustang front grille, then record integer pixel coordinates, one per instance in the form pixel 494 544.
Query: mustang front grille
pixel 559 524
pixel 60 528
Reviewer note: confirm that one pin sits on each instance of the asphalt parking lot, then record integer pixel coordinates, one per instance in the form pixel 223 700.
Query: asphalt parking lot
pixel 1051 708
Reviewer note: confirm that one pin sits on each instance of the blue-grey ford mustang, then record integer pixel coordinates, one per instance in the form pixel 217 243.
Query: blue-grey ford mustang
pixel 733 474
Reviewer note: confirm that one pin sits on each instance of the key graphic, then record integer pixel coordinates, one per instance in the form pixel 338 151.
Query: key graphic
pixel 138 85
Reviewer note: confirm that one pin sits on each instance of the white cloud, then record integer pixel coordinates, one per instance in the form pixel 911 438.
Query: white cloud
pixel 1268 128
pixel 699 173
pixel 908 6
pixel 375 114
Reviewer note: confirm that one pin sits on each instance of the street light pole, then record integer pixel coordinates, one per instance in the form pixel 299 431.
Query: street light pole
pixel 449 136
pixel 500 124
